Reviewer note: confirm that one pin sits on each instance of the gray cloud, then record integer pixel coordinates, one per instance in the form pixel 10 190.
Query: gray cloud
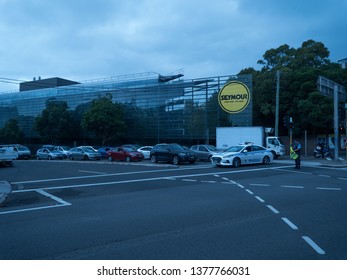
pixel 84 39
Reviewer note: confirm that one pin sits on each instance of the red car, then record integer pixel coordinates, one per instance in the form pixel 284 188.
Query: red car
pixel 125 154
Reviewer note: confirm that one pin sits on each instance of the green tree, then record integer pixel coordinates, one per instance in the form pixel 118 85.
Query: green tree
pixel 105 119
pixel 11 133
pixel 299 97
pixel 54 123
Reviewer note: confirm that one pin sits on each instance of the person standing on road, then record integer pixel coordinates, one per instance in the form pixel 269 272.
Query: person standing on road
pixel 297 150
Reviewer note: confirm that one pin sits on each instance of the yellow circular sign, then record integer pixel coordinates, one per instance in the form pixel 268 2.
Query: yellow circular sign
pixel 234 97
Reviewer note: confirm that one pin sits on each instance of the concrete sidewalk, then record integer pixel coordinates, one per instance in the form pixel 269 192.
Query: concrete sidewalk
pixel 311 161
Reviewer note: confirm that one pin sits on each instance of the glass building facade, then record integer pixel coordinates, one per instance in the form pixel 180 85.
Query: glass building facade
pixel 156 108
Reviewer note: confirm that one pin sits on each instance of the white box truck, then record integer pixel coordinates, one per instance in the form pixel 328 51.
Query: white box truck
pixel 258 135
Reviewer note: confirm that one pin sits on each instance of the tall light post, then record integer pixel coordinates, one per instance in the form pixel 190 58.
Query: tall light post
pixel 277 102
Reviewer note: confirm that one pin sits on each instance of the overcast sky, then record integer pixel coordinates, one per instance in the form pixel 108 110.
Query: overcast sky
pixel 84 39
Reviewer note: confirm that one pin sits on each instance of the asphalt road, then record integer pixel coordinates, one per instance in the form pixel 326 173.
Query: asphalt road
pixel 102 210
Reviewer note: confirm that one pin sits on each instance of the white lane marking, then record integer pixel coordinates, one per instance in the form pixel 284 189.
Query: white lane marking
pixel 92 172
pixel 202 181
pixel 260 185
pixel 341 178
pixel 326 176
pixel 250 192
pixel 272 209
pixel 33 209
pixel 289 223
pixel 189 180
pixel 292 171
pixel 260 199
pixel 328 189
pixel 310 242
pixel 57 199
pixel 150 171
pixel 293 187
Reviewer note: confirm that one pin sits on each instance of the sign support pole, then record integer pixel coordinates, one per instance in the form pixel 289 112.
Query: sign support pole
pixel 336 124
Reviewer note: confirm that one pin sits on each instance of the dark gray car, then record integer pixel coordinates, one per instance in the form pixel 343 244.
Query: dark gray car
pixel 204 152
pixel 173 153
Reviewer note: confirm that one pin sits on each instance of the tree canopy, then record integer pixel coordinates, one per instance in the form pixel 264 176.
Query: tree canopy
pixel 55 122
pixel 105 119
pixel 299 96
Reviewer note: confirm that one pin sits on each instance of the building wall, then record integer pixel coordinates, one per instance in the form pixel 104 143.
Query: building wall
pixel 156 109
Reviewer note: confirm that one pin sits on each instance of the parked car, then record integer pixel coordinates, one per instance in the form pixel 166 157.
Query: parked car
pixel 173 153
pixel 63 149
pixel 45 153
pixel 146 151
pixel 23 151
pixel 204 152
pixel 134 146
pixel 125 154
pixel 84 153
pixel 243 154
pixel 103 151
pixel 89 147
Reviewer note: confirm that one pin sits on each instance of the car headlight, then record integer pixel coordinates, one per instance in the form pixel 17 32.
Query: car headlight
pixel 182 154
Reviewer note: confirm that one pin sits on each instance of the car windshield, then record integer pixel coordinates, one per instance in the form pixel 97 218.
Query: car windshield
pixel 211 148
pixel 88 149
pixel 22 148
pixel 176 147
pixel 234 149
pixel 129 149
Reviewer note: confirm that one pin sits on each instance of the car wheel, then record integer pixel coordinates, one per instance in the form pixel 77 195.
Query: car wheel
pixel 49 158
pixel 236 162
pixel 175 160
pixel 153 159
pixel 110 158
pixel 70 157
pixel 266 160
pixel 85 157
pixel 127 159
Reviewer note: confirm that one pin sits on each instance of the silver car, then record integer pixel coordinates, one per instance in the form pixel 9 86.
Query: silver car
pixel 84 153
pixel 243 154
pixel 204 152
pixel 45 153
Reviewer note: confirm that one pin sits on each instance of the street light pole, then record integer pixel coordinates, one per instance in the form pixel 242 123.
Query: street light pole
pixel 277 102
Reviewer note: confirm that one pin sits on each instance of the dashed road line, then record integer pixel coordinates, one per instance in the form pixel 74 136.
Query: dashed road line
pixel 260 199
pixel 272 209
pixel 292 187
pixel 249 191
pixel 260 185
pixel 289 223
pixel 310 242
pixel 328 189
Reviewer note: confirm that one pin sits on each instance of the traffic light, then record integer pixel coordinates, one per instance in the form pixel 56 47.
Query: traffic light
pixel 286 121
pixel 291 124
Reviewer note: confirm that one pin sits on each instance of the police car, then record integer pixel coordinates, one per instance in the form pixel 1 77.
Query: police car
pixel 243 154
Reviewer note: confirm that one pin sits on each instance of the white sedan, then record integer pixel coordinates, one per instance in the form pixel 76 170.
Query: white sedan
pixel 242 154
pixel 145 150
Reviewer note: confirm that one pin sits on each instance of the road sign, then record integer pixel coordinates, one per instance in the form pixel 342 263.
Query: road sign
pixel 326 88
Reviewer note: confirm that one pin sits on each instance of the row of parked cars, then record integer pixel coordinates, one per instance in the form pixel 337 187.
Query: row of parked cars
pixel 237 155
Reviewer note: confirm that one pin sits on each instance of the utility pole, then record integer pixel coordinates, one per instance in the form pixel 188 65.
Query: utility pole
pixel 277 102
pixel 336 123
